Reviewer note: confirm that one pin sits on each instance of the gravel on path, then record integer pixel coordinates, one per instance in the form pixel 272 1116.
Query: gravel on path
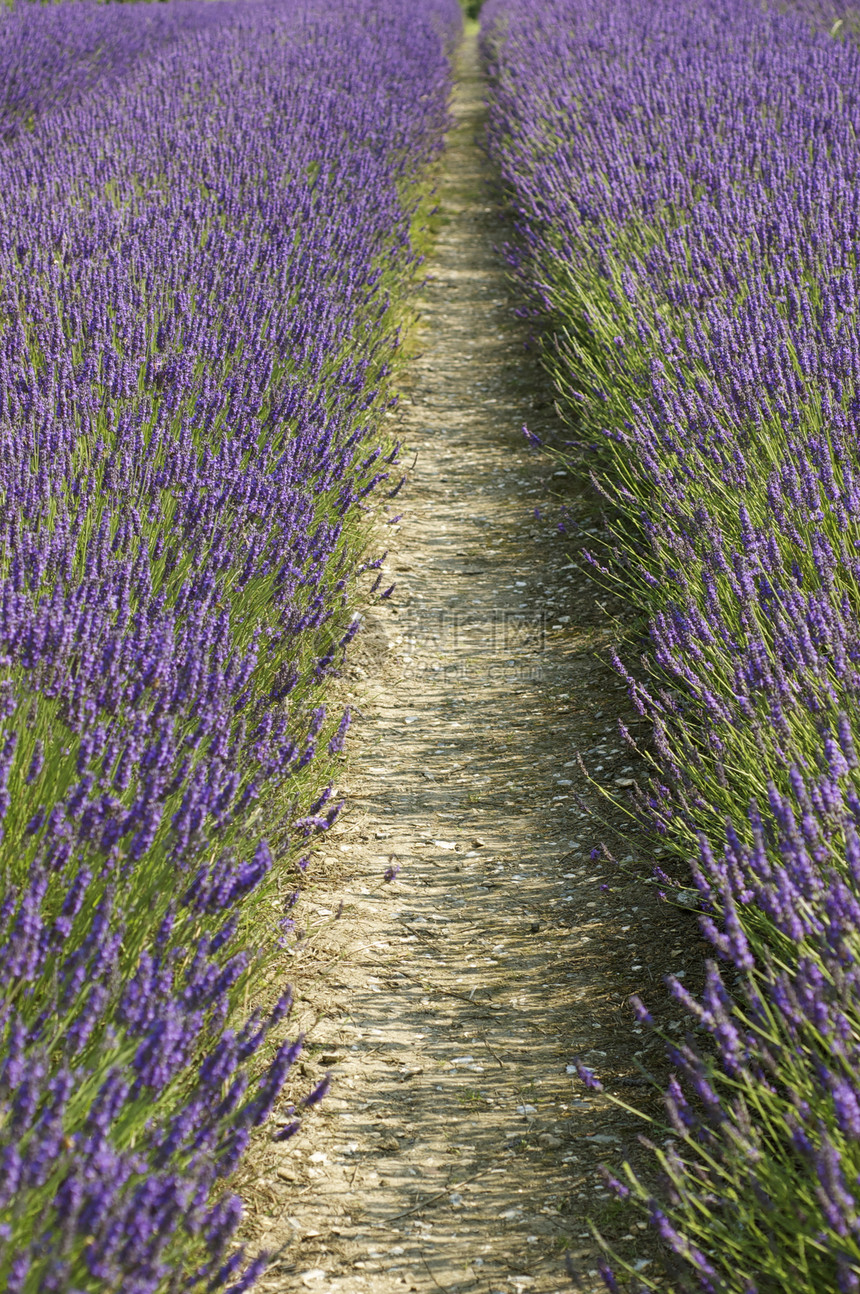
pixel 457 1151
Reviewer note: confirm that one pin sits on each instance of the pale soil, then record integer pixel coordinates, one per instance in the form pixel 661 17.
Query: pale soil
pixel 455 1151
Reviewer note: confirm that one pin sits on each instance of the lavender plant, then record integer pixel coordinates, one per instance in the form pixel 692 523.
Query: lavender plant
pixel 684 180
pixel 833 16
pixel 204 248
pixel 51 56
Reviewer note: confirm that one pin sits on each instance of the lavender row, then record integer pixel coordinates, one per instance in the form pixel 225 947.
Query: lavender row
pixel 202 262
pixel 685 182
pixel 834 16
pixel 51 56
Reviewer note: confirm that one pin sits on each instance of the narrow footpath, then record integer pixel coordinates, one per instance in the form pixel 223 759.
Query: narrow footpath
pixel 457 1150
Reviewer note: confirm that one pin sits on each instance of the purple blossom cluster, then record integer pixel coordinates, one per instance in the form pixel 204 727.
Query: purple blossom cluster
pixel 685 183
pixel 205 216
pixel 51 56
pixel 834 16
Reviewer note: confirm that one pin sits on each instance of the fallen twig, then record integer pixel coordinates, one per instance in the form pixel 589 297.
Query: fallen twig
pixel 492 1053
pixel 431 1199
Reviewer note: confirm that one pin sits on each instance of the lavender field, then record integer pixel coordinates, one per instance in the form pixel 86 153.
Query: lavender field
pixel 265 498
pixel 685 182
pixel 206 214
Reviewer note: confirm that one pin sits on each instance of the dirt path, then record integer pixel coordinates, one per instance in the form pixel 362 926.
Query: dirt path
pixel 456 1152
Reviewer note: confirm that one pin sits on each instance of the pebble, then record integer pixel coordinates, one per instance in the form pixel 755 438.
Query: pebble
pixel 687 898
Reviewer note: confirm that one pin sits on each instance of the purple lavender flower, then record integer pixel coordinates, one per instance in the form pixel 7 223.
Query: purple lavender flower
pixel 691 255
pixel 194 366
